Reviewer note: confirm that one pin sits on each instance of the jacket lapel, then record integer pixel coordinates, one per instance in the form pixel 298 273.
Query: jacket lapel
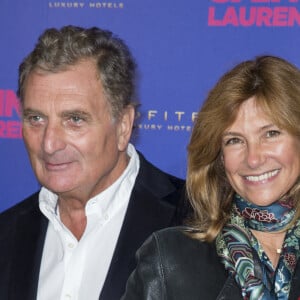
pixel 230 291
pixel 145 214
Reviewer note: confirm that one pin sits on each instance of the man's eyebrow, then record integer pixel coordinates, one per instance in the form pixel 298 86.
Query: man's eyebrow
pixel 77 112
pixel 30 111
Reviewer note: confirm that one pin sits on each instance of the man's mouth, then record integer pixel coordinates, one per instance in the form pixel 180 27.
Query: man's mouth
pixel 56 166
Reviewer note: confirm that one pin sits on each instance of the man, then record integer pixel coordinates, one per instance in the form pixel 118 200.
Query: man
pixel 76 238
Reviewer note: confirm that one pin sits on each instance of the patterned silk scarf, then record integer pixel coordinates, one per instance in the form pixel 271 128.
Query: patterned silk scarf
pixel 244 257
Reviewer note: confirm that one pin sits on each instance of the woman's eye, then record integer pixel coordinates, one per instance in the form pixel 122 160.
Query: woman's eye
pixel 272 133
pixel 232 141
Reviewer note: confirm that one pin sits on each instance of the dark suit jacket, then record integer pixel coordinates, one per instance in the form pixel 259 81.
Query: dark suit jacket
pixel 173 266
pixel 152 206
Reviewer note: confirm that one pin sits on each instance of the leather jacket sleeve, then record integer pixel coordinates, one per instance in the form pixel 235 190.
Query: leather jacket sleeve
pixel 173 266
pixel 146 282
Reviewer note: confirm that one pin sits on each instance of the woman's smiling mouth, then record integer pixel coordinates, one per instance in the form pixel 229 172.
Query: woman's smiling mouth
pixel 262 177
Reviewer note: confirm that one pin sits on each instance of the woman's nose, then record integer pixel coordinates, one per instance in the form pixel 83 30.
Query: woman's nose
pixel 255 155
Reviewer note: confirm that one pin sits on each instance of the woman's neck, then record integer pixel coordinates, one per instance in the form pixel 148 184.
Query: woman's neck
pixel 271 243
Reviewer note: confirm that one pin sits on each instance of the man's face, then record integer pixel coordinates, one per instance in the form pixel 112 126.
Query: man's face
pixel 75 147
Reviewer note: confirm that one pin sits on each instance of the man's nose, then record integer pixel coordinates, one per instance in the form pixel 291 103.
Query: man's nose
pixel 54 138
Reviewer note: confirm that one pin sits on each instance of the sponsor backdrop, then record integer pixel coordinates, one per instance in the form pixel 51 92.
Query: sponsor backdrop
pixel 181 47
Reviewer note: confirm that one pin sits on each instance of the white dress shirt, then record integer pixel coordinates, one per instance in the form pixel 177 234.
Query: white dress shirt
pixel 76 270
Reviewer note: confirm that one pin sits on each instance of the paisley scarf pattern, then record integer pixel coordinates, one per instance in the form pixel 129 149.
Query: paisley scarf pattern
pixel 265 218
pixel 244 258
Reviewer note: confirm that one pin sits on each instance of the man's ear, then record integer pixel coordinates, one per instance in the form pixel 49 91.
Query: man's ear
pixel 125 125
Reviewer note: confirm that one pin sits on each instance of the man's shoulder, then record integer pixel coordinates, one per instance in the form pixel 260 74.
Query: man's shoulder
pixel 26 206
pixel 153 174
pixel 168 189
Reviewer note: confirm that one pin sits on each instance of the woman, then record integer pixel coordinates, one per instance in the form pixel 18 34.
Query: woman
pixel 243 182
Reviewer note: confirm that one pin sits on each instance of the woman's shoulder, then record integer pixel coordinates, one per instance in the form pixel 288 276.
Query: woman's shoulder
pixel 179 233
pixel 173 263
pixel 174 235
pixel 178 243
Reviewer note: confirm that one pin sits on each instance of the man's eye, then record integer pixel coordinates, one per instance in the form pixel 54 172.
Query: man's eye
pixel 34 119
pixel 272 133
pixel 76 119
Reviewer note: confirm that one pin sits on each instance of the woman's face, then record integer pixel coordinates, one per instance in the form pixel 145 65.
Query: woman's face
pixel 262 161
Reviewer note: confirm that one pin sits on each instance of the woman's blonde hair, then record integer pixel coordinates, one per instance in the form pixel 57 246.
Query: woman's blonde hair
pixel 275 83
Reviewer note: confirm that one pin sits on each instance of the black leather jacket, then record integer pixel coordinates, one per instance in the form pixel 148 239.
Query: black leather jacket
pixel 171 265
